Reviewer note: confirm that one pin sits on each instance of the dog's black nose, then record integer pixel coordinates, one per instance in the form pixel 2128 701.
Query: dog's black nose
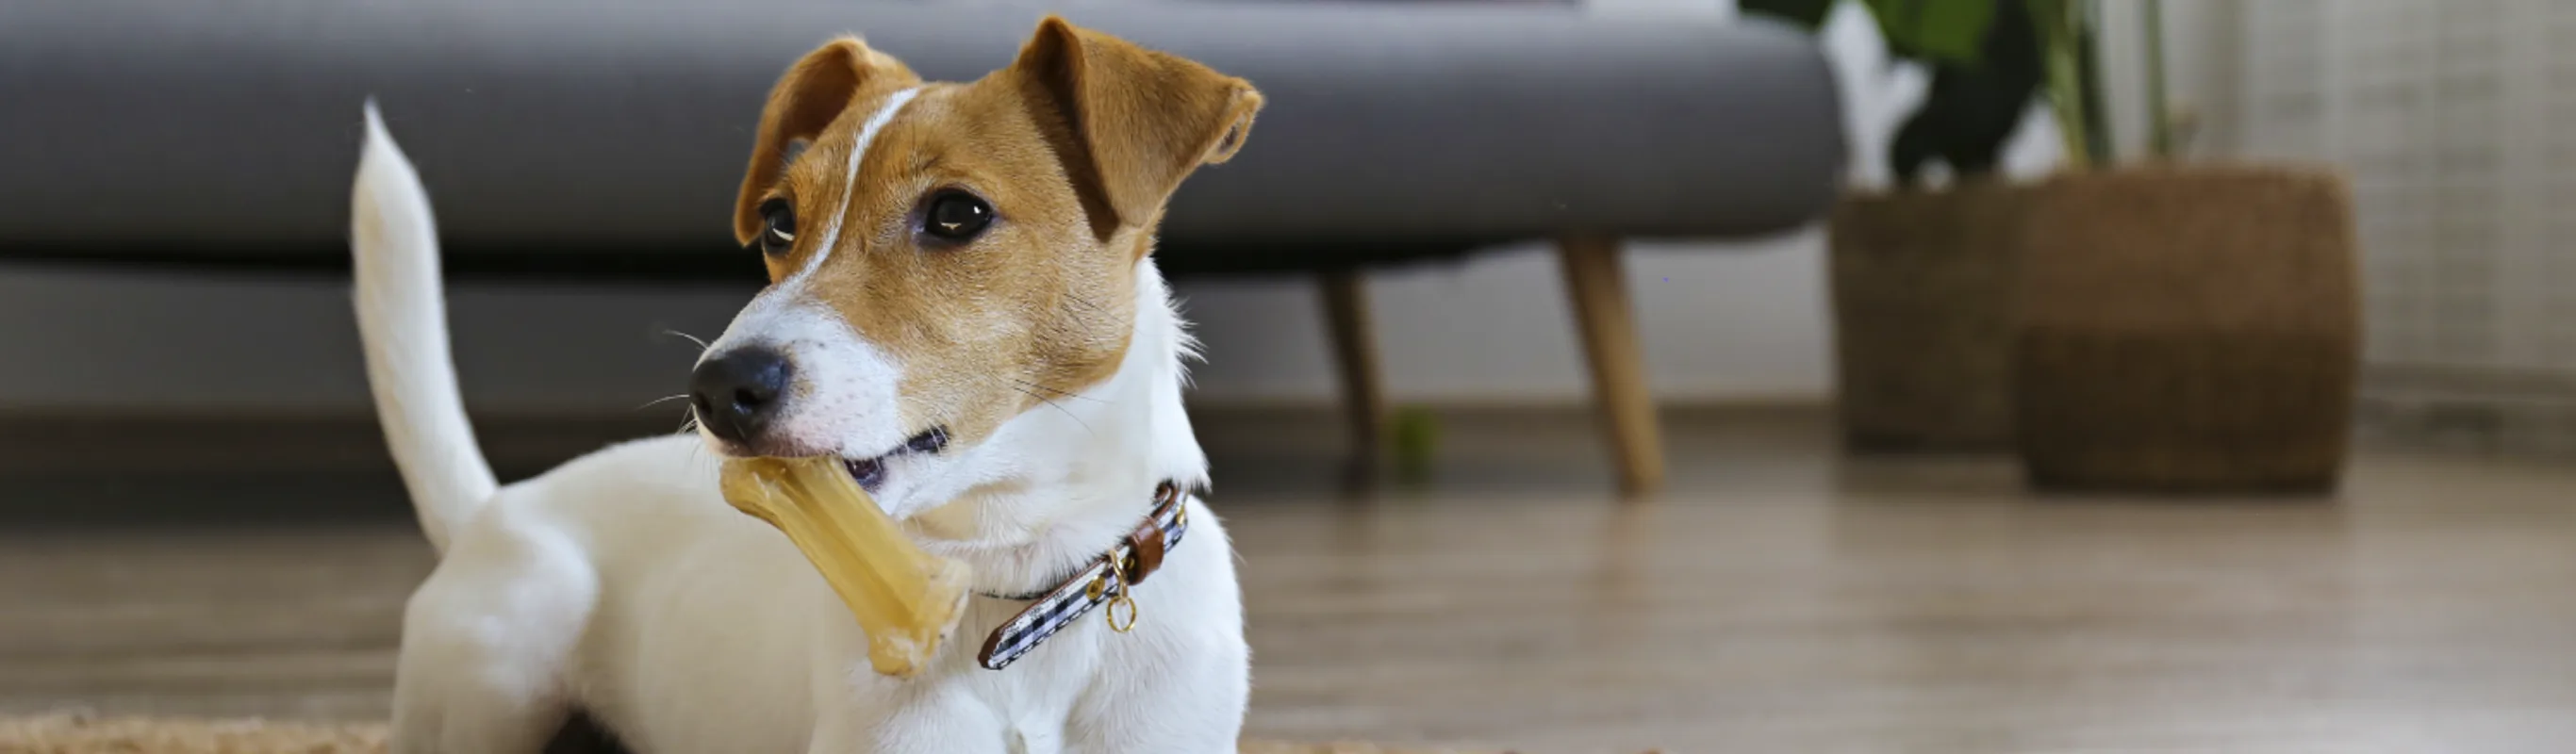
pixel 736 394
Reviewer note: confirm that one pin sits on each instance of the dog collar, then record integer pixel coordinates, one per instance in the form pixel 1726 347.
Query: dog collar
pixel 1105 581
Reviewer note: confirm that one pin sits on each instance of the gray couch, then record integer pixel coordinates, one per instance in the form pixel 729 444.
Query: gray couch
pixel 595 140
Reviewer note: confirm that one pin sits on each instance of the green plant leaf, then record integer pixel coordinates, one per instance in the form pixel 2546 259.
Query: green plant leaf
pixel 1970 112
pixel 2061 30
pixel 1948 31
pixel 1807 14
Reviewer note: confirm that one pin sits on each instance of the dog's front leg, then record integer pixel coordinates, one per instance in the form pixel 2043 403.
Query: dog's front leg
pixel 1194 705
pixel 879 716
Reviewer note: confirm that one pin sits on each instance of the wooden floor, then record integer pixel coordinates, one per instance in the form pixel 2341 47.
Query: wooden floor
pixel 1777 599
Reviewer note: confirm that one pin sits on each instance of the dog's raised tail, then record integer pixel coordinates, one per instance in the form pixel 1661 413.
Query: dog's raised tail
pixel 402 321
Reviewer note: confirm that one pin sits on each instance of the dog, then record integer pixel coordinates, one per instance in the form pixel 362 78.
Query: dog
pixel 963 308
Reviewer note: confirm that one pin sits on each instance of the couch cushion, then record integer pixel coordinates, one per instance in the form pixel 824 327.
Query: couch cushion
pixel 588 125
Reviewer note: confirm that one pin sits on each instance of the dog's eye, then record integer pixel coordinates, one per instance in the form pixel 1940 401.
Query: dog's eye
pixel 956 216
pixel 777 227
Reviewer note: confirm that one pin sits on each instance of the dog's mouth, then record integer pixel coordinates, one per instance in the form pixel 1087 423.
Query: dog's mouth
pixel 870 472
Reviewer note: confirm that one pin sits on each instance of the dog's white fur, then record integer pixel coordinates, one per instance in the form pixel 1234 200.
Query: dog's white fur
pixel 623 585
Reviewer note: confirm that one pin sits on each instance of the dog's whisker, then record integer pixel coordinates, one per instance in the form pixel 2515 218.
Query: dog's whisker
pixel 1060 392
pixel 702 342
pixel 663 400
pixel 1068 413
pixel 688 421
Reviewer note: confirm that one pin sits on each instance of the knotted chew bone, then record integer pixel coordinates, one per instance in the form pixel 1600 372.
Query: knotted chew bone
pixel 907 600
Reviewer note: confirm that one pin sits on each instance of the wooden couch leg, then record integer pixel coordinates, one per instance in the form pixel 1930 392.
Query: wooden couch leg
pixel 1346 319
pixel 1609 330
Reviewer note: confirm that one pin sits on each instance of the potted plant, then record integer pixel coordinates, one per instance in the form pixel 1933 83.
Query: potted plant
pixel 1920 273
pixel 2172 326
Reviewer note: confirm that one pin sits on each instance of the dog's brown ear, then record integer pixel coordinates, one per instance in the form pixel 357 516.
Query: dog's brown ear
pixel 1134 122
pixel 806 100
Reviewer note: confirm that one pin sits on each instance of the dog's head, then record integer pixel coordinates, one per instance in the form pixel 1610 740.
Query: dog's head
pixel 945 256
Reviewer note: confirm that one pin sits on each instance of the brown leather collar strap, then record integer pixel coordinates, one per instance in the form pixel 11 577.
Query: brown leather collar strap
pixel 1145 548
pixel 1105 581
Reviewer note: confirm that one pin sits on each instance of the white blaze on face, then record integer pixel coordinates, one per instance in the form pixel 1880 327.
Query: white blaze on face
pixel 843 398
pixel 850 184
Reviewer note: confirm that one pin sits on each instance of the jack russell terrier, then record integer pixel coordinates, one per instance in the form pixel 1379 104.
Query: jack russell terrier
pixel 962 307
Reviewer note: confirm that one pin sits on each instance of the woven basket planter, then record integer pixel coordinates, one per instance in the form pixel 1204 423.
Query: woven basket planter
pixel 1922 291
pixel 2187 329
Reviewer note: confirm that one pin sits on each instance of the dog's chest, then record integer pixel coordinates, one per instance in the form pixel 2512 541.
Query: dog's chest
pixel 1039 699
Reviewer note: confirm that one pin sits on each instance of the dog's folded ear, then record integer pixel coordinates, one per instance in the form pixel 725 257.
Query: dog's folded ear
pixel 1129 123
pixel 813 93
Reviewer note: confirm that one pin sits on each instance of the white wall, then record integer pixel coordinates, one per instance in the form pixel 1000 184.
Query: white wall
pixel 2203 73
pixel 1721 321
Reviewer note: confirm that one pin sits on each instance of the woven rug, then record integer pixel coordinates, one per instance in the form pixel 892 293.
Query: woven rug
pixel 78 734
